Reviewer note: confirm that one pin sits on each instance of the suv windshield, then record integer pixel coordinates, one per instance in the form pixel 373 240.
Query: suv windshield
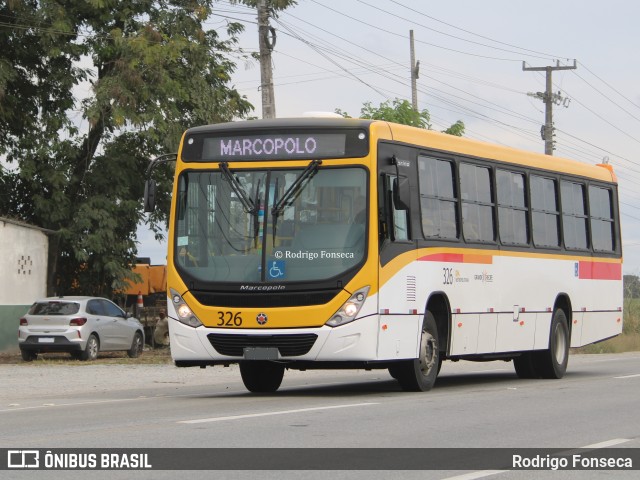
pixel 229 231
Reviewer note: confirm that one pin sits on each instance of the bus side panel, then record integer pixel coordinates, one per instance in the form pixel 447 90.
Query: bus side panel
pixel 600 325
pixel 596 301
pixel 487 332
pixel 464 335
pixel 401 307
pixel 398 336
pixel 543 328
pixel 516 332
pixel 576 329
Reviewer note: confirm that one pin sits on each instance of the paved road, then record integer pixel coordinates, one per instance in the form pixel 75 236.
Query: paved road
pixel 473 405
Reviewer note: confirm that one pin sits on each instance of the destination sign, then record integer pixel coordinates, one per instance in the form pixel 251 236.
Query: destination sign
pixel 272 146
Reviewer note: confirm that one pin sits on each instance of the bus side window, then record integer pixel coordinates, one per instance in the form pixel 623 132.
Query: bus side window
pixel 477 203
pixel 574 215
pixel 602 221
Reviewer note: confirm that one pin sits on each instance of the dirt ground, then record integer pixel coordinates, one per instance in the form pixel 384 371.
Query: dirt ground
pixel 149 356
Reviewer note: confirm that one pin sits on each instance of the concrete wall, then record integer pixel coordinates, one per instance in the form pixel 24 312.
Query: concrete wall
pixel 23 263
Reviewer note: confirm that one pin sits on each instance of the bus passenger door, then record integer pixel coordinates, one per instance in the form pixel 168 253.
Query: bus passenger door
pixel 400 320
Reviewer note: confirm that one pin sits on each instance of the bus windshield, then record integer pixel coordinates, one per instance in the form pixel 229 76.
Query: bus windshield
pixel 270 225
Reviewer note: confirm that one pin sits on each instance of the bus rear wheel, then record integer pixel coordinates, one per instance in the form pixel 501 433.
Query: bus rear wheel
pixel 419 375
pixel 261 376
pixel 552 362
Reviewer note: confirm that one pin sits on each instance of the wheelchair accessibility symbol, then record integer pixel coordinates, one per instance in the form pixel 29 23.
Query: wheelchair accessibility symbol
pixel 276 269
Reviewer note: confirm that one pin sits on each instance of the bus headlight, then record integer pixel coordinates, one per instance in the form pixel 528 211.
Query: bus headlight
pixel 349 309
pixel 185 315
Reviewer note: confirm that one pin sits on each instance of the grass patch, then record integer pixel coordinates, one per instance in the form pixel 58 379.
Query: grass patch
pixel 621 343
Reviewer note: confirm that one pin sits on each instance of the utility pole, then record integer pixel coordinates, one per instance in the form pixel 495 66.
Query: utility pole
pixel 267 41
pixel 548 97
pixel 415 69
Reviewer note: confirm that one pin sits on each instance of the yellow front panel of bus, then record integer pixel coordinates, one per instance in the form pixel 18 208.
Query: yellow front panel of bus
pixel 276 317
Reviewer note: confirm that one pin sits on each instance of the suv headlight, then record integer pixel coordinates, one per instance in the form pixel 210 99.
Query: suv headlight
pixel 347 313
pixel 185 315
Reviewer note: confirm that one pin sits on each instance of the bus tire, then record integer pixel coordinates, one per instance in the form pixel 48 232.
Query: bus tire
pixel 393 370
pixel 552 362
pixel 524 366
pixel 261 376
pixel 419 374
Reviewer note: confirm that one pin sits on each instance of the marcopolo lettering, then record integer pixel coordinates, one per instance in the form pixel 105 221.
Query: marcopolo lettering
pixel 248 147
pixel 281 145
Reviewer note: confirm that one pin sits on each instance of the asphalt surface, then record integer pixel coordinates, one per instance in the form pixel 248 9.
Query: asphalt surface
pixel 100 406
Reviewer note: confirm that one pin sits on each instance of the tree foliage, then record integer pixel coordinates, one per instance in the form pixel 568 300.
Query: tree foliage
pixel 401 111
pixel 89 92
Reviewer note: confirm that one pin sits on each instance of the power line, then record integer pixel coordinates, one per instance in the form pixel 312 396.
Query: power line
pixel 317 50
pixel 484 116
pixel 610 86
pixel 545 55
pixel 419 41
pixel 387 12
pixel 609 99
pixel 359 46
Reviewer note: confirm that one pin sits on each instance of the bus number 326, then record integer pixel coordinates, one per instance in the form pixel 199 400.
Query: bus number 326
pixel 447 274
pixel 229 319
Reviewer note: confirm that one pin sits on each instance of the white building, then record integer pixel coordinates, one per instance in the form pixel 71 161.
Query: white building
pixel 23 263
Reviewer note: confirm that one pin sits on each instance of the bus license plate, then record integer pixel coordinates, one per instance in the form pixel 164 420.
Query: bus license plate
pixel 46 340
pixel 261 353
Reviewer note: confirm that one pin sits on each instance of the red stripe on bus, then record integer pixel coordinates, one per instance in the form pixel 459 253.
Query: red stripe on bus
pixel 443 257
pixel 457 258
pixel 600 271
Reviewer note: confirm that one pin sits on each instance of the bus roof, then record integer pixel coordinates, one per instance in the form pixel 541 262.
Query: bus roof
pixel 450 143
pixel 427 139
pixel 284 123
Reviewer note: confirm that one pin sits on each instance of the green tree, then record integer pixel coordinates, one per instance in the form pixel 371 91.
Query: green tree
pixel 401 111
pixel 151 69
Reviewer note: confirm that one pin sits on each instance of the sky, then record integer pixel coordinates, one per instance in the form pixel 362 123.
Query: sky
pixel 332 55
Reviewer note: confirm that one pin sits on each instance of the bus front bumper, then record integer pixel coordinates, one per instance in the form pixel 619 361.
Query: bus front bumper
pixel 355 341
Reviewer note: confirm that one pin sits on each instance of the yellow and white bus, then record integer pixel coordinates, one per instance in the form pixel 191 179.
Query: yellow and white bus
pixel 345 243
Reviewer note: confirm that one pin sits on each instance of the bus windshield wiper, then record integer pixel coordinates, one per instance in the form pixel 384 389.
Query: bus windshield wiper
pixel 238 189
pixel 256 217
pixel 294 190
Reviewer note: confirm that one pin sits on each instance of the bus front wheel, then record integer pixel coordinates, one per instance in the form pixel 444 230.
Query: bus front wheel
pixel 261 376
pixel 419 375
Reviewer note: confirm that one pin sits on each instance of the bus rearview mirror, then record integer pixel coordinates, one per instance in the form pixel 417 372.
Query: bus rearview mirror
pixel 149 196
pixel 401 193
